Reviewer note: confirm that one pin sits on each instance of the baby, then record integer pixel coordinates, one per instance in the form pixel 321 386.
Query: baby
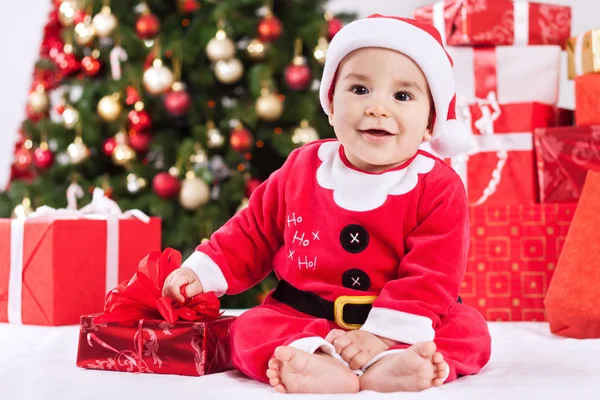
pixel 368 234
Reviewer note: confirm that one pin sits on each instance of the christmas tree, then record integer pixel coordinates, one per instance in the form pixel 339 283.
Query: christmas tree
pixel 177 108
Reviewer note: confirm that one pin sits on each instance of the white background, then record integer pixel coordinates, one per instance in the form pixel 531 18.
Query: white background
pixel 21 32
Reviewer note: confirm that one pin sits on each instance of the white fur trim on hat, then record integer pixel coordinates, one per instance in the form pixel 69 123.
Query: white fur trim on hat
pixel 449 138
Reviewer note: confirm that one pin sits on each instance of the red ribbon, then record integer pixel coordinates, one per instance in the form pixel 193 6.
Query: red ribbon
pixel 141 296
pixel 484 65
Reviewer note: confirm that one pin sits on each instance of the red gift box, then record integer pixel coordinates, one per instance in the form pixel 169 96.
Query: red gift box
pixel 141 331
pixel 564 157
pixel 156 346
pixel 498 22
pixel 587 100
pixel 514 250
pixel 54 270
pixel 502 170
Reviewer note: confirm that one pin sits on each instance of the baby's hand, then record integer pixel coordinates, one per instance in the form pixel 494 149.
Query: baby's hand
pixel 178 278
pixel 358 347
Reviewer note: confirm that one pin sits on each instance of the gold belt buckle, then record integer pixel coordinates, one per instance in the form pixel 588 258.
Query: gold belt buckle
pixel 338 309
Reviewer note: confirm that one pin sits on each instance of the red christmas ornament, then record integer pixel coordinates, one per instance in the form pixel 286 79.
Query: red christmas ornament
pixel 33 115
pixel 140 141
pixel 269 28
pixel 298 75
pixel 178 101
pixel 333 27
pixel 251 186
pixel 188 6
pixel 132 96
pixel 147 26
pixel 23 159
pixel 139 120
pixel 42 157
pixel 165 185
pixel 91 66
pixel 109 146
pixel 241 139
pixel 67 63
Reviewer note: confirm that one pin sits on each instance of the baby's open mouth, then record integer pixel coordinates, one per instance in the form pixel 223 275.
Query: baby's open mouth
pixel 376 132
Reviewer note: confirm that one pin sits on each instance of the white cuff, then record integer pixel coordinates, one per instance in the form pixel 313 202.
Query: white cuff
pixel 399 326
pixel 208 272
pixel 314 343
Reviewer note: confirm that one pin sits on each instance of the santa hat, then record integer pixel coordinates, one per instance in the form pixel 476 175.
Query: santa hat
pixel 419 41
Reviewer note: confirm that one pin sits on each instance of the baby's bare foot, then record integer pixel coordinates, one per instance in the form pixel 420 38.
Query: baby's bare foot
pixel 417 368
pixel 295 371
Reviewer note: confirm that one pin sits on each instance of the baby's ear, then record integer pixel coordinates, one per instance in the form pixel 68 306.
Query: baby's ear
pixel 427 136
pixel 331 113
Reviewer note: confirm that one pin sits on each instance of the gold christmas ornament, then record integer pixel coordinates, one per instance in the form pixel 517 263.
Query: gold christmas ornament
pixel 104 22
pixel 194 192
pixel 268 106
pixel 123 154
pixel 70 117
pixel 85 32
pixel 214 137
pixel 22 210
pixel 109 107
pixel 66 12
pixel 200 156
pixel 78 151
pixel 320 51
pixel 220 47
pixel 158 78
pixel 38 100
pixel 229 71
pixel 304 133
pixel 135 183
pixel 256 50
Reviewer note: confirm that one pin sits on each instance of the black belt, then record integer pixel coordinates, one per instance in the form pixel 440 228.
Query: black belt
pixel 352 311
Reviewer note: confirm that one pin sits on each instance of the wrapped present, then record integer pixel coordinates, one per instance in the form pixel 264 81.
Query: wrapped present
pixel 502 168
pixel 587 100
pixel 498 22
pixel 513 253
pixel 564 157
pixel 140 331
pixel 572 302
pixel 583 53
pixel 56 265
pixel 513 74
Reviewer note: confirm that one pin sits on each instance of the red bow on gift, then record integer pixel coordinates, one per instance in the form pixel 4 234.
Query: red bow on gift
pixel 141 296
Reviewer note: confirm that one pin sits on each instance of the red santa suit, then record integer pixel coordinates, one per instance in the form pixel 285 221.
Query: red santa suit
pixel 331 230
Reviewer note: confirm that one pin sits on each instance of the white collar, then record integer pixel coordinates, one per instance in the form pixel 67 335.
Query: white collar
pixel 358 191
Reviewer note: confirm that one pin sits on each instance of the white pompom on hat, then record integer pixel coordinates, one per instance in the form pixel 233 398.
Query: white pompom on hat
pixel 423 44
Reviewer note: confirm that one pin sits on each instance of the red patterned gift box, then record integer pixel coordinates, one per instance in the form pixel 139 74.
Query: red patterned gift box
pixel 564 157
pixel 59 264
pixel 514 250
pixel 140 331
pixel 587 100
pixel 498 22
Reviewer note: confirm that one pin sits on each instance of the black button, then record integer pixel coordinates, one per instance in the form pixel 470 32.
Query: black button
pixel 356 279
pixel 354 238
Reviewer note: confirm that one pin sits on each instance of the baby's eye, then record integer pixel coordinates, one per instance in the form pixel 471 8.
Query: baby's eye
pixel 359 89
pixel 403 96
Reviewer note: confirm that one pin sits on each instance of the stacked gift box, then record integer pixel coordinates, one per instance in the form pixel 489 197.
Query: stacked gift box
pixel 525 176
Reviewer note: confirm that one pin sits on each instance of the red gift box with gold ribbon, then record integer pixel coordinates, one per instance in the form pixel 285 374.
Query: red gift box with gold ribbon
pixel 564 157
pixel 142 332
pixel 498 22
pixel 514 250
